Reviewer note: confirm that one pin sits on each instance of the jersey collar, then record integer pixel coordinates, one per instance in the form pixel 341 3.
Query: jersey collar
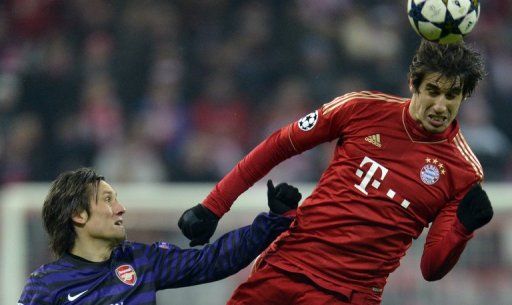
pixel 77 260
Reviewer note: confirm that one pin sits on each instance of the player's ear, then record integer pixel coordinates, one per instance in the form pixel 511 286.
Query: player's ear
pixel 80 218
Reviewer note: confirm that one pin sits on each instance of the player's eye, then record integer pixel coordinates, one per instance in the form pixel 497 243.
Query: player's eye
pixel 452 94
pixel 433 93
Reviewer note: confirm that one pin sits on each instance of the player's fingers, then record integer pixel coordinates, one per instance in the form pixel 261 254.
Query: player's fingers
pixel 270 187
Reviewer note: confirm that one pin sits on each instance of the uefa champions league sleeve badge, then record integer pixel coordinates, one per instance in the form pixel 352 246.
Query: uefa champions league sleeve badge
pixel 308 122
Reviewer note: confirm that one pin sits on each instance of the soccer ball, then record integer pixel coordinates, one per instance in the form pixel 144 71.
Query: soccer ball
pixel 443 21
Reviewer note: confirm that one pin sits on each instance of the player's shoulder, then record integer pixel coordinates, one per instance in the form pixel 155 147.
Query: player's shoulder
pixel 45 273
pixel 466 157
pixel 363 99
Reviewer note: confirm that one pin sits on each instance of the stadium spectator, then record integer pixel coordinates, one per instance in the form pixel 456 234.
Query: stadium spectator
pixel 52 49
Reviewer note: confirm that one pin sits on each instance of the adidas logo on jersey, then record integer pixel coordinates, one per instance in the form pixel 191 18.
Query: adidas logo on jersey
pixel 374 139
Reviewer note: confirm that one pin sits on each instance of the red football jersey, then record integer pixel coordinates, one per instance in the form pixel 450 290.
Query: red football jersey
pixel 388 179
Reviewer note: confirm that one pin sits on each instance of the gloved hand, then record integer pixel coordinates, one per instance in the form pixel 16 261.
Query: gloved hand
pixel 282 198
pixel 475 209
pixel 198 224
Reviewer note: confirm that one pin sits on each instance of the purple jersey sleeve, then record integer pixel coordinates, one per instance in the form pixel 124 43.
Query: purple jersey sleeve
pixel 174 267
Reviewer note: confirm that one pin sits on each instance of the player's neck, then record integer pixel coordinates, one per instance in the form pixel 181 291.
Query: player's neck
pixel 93 250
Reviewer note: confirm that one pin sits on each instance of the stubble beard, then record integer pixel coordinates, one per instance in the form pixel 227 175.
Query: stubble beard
pixel 116 241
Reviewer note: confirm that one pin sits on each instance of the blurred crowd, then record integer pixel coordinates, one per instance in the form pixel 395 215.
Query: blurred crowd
pixel 148 90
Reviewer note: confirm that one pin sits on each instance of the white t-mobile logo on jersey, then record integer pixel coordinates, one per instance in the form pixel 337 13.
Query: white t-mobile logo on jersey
pixel 369 175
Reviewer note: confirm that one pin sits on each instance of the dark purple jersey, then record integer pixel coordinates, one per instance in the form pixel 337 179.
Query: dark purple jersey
pixel 136 271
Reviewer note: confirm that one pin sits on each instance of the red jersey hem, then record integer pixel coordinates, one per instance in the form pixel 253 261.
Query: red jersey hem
pixel 346 289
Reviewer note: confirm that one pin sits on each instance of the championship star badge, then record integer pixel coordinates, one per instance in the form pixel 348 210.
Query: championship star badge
pixel 126 274
pixel 431 171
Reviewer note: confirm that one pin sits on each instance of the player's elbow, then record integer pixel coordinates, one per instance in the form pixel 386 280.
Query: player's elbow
pixel 431 273
pixel 431 277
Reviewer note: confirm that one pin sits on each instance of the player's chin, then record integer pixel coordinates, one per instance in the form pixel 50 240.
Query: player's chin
pixel 436 130
pixel 118 239
pixel 433 128
pixel 119 233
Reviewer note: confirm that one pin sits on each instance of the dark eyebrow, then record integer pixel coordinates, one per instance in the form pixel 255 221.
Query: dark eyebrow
pixel 431 86
pixel 455 90
pixel 109 193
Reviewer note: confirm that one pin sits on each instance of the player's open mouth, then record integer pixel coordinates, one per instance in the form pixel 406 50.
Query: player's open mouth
pixel 437 120
pixel 118 223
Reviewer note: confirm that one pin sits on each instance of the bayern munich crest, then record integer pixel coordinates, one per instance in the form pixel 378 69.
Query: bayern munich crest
pixel 309 121
pixel 126 274
pixel 432 171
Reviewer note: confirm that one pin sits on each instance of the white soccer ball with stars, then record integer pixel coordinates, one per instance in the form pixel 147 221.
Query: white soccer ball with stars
pixel 443 21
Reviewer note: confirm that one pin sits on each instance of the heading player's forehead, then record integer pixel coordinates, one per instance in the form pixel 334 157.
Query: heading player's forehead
pixel 440 82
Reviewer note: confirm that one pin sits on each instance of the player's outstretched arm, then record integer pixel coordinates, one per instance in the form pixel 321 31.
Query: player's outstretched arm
pixel 313 129
pixel 451 230
pixel 175 267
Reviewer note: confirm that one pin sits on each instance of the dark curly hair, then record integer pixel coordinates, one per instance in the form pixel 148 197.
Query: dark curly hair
pixel 69 194
pixel 457 61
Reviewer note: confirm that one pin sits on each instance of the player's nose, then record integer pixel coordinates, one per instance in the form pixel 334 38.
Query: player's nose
pixel 120 209
pixel 439 106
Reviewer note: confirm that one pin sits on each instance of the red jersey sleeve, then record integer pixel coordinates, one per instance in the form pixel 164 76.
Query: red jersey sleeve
pixel 445 242
pixel 323 125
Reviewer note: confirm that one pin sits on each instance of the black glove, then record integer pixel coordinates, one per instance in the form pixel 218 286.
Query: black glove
pixel 475 209
pixel 198 224
pixel 282 198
